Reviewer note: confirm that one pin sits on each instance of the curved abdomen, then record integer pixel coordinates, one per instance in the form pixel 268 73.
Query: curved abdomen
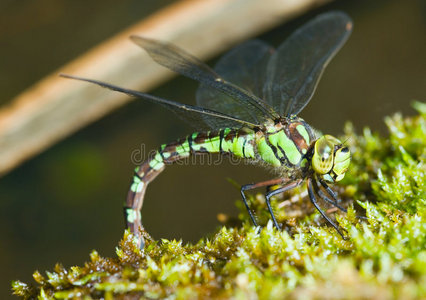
pixel 236 142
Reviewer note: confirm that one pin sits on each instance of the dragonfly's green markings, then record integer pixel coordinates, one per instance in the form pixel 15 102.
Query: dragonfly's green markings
pixel 305 135
pixel 137 184
pixel 247 107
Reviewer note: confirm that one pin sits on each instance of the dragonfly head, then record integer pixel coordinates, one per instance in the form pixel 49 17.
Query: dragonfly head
pixel 331 158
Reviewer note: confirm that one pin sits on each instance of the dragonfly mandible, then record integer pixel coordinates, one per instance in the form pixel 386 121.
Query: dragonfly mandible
pixel 247 107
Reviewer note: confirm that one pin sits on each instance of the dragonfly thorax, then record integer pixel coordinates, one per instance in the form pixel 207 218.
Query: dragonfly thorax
pixel 286 146
pixel 330 159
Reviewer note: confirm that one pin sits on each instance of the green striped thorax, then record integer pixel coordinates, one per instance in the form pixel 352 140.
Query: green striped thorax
pixel 331 158
pixel 291 145
pixel 286 144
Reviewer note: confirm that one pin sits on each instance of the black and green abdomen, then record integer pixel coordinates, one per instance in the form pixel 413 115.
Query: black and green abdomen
pixel 240 143
pixel 236 142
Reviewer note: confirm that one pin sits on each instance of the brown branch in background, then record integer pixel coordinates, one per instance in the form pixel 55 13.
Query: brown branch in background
pixel 55 107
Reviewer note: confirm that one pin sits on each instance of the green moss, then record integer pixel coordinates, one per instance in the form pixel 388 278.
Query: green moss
pixel 383 257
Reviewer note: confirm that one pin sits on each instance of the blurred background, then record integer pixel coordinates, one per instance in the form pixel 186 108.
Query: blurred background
pixel 66 201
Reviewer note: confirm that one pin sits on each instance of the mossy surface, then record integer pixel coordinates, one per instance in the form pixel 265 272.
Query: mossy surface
pixel 383 257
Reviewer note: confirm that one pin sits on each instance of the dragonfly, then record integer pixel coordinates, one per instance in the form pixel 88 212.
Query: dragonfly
pixel 247 107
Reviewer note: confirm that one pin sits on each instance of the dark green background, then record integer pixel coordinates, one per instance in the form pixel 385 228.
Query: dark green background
pixel 68 200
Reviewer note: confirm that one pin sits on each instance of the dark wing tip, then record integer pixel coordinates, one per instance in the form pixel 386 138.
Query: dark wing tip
pixel 136 38
pixel 78 78
pixel 70 76
pixel 145 43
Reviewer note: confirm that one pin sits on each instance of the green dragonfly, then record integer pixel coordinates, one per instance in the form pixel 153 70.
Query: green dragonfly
pixel 247 107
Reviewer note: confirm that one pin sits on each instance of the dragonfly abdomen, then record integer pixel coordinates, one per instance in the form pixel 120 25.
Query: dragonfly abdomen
pixel 232 141
pixel 237 142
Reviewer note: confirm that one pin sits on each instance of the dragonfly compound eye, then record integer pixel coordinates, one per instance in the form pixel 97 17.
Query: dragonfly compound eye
pixel 331 159
pixel 342 158
pixel 322 161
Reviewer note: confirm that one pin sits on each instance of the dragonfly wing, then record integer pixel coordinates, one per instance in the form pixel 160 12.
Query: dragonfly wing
pixel 244 66
pixel 295 68
pixel 193 115
pixel 183 63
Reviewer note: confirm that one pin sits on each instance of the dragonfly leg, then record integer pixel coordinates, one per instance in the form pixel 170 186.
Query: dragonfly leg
pixel 280 190
pixel 268 195
pixel 247 187
pixel 328 189
pixel 334 196
pixel 315 203
pixel 252 186
pixel 330 192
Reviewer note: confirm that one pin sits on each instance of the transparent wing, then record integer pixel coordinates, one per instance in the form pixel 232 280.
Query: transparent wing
pixel 244 66
pixel 295 68
pixel 183 63
pixel 193 115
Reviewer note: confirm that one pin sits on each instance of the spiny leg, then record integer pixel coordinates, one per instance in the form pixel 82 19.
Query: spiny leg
pixel 333 194
pixel 252 186
pixel 282 189
pixel 314 202
pixel 330 192
pixel 328 189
